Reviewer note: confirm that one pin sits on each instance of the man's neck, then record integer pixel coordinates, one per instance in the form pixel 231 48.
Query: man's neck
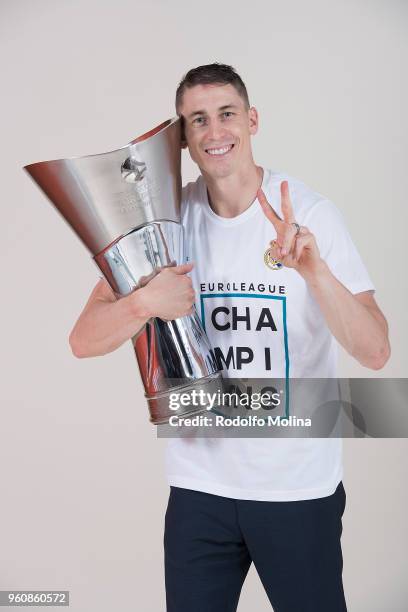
pixel 232 195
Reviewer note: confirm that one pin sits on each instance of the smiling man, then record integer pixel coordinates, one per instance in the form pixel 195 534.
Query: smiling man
pixel 279 283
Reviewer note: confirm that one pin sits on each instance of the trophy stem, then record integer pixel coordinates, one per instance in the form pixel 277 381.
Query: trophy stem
pixel 170 354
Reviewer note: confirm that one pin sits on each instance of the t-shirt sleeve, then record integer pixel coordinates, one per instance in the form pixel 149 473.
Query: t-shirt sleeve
pixel 337 248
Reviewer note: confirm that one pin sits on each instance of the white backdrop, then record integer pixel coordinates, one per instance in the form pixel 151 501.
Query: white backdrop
pixel 83 492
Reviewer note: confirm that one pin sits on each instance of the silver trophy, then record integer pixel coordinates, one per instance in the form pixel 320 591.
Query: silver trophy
pixel 125 207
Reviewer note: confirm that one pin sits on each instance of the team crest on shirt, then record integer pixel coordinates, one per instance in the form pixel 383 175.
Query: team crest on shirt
pixel 271 262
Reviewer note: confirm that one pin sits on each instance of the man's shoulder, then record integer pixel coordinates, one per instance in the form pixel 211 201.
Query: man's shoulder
pixel 192 190
pixel 192 198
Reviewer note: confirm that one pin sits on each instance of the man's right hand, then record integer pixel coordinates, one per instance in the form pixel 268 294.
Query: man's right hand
pixel 169 295
pixel 106 323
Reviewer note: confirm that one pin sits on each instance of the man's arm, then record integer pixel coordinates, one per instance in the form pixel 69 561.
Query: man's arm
pixel 106 322
pixel 354 320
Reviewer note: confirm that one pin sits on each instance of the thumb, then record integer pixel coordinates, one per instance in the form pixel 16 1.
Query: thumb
pixel 183 268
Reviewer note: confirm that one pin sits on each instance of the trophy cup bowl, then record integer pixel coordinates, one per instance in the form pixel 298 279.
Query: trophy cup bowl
pixel 124 206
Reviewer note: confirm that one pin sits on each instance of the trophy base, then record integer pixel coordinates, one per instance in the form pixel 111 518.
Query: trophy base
pixel 160 404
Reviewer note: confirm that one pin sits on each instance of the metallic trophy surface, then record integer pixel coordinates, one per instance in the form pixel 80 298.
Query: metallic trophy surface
pixel 125 207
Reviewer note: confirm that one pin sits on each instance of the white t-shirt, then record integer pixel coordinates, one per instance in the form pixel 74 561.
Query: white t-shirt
pixel 230 276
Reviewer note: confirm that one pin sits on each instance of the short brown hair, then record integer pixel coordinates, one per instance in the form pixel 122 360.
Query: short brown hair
pixel 211 74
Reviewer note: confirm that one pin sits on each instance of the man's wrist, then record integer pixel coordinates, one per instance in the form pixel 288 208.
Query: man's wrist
pixel 315 275
pixel 140 304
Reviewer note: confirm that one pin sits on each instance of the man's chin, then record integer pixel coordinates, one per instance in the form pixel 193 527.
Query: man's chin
pixel 217 172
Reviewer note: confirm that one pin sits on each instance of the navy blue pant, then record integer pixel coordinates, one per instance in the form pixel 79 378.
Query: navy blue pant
pixel 210 542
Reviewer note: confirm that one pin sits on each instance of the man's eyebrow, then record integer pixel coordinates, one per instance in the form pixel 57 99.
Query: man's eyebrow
pixel 199 112
pixel 227 106
pixel 202 112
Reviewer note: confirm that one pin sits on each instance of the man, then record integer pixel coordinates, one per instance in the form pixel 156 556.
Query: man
pixel 279 281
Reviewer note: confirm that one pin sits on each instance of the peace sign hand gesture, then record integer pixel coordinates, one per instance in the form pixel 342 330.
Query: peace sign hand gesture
pixel 294 246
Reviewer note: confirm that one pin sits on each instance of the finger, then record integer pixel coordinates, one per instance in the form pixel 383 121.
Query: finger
pixel 301 243
pixel 183 268
pixel 287 240
pixel 268 210
pixel 286 204
pixel 303 230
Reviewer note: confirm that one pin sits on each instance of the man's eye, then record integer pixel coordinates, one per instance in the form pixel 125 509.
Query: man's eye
pixel 228 114
pixel 199 121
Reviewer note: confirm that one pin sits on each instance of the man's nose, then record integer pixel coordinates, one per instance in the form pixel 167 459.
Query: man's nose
pixel 215 130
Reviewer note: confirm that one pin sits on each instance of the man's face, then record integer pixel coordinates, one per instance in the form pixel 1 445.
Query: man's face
pixel 218 128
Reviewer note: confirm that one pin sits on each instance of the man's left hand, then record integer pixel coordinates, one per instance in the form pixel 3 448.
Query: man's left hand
pixel 294 250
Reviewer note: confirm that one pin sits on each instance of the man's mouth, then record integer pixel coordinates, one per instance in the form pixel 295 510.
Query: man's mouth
pixel 220 150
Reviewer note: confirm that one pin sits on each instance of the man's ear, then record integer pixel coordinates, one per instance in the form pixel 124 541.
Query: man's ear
pixel 253 120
